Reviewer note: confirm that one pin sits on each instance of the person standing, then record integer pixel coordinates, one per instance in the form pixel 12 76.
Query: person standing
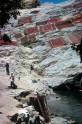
pixel 7 68
pixel 12 81
pixel 6 38
pixel 79 50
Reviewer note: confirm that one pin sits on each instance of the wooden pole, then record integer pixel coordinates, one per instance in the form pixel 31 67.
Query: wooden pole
pixel 40 103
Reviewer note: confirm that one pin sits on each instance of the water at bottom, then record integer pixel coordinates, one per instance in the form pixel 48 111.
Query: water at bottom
pixel 67 104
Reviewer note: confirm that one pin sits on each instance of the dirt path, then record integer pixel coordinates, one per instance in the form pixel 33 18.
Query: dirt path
pixel 7 102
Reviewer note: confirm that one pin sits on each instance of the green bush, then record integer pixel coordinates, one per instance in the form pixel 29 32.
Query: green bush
pixel 29 43
pixel 8 8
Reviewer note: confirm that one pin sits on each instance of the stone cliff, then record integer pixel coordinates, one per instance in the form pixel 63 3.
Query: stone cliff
pixel 30 4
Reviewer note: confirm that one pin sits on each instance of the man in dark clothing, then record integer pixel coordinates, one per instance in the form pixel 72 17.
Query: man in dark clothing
pixel 73 46
pixel 6 38
pixel 7 68
pixel 79 50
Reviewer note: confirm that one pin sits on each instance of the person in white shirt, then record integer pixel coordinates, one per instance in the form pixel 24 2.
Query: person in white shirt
pixel 12 79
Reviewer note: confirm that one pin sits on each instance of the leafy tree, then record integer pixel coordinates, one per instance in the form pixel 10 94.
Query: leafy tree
pixel 8 8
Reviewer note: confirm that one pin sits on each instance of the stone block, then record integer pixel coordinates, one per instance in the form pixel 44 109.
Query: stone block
pixel 75 38
pixel 47 28
pixel 24 20
pixel 64 24
pixel 53 20
pixel 24 39
pixel 30 30
pixel 57 42
pixel 41 23
pixel 19 35
pixel 32 37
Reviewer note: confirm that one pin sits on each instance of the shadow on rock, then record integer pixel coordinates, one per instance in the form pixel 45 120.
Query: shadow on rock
pixel 74 84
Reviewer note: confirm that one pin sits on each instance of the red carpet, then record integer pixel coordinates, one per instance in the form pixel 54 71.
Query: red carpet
pixel 57 42
pixel 12 43
pixel 75 38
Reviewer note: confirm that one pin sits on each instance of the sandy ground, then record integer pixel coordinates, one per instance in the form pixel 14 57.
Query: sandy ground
pixel 7 102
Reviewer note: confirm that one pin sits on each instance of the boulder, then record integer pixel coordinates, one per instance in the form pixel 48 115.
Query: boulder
pixel 73 84
pixel 26 4
pixel 58 120
pixel 28 115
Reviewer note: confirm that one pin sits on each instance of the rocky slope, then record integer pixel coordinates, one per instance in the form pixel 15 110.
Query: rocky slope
pixel 51 58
